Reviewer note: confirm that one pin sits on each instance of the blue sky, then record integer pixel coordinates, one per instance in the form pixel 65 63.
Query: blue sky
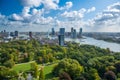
pixel 37 15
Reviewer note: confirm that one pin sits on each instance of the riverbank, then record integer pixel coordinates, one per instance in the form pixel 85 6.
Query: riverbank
pixel 115 47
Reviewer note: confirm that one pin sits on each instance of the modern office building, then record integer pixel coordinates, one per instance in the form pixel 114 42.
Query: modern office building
pixel 4 31
pixel 12 34
pixel 62 31
pixel 80 32
pixel 61 40
pixel 72 30
pixel 16 33
pixel 30 34
pixel 53 32
pixel 61 36
pixel 74 34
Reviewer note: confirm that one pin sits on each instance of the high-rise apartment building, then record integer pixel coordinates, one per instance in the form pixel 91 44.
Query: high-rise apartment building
pixel 62 31
pixel 16 33
pixel 53 32
pixel 61 40
pixel 30 34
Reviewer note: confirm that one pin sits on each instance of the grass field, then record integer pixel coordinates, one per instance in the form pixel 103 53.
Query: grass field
pixel 26 66
pixel 22 67
pixel 48 71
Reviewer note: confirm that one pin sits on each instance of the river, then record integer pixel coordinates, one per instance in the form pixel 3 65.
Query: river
pixel 115 47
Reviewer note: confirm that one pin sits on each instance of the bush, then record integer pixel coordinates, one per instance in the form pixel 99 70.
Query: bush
pixel 9 63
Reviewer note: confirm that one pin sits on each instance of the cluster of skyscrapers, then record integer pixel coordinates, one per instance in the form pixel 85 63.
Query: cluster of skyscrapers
pixel 29 35
pixel 6 34
pixel 14 34
pixel 9 36
pixel 74 34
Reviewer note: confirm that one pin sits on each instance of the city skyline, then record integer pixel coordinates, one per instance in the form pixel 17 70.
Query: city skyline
pixel 42 15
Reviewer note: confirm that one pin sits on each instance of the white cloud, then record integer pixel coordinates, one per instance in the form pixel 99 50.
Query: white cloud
pixel 114 7
pixel 38 12
pixel 50 4
pixel 35 17
pixel 72 15
pixel 78 14
pixel 91 9
pixel 32 17
pixel 25 12
pixel 30 14
pixel 31 3
pixel 108 20
pixel 25 15
pixel 67 6
pixel 111 13
pixel 16 17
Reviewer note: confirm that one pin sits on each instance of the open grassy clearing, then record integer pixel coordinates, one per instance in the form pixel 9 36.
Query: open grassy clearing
pixel 26 66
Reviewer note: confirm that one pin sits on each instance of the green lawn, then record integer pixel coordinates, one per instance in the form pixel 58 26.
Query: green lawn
pixel 22 67
pixel 26 66
pixel 48 71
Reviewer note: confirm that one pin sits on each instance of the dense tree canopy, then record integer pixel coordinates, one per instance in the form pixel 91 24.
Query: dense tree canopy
pixel 70 66
pixel 74 61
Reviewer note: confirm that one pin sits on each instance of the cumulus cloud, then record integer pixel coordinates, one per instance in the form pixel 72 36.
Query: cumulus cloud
pixel 23 16
pixel 50 4
pixel 111 13
pixel 31 3
pixel 37 24
pixel 74 14
pixel 91 9
pixel 25 11
pixel 16 17
pixel 35 17
pixel 32 16
pixel 114 7
pixel 78 14
pixel 67 6
pixel 108 20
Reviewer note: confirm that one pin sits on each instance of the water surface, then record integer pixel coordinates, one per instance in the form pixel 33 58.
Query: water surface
pixel 100 43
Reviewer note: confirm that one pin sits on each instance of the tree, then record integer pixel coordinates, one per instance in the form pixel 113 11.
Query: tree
pixel 4 57
pixel 34 68
pixel 64 76
pixel 117 66
pixel 30 56
pixel 7 74
pixel 9 63
pixel 70 66
pixel 41 75
pixel 110 75
pixel 94 75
